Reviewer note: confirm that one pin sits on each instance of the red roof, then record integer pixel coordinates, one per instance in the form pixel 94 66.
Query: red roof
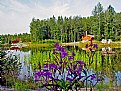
pixel 88 37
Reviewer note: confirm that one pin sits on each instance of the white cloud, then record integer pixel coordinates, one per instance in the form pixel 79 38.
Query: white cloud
pixel 16 15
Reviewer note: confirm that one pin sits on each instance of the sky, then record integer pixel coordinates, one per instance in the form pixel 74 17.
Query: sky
pixel 16 15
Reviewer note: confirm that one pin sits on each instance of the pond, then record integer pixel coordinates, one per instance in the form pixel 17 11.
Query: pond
pixel 108 65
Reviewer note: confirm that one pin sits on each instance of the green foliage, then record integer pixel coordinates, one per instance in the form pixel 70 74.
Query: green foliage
pixel 9 68
pixel 48 41
pixel 104 24
pixel 7 38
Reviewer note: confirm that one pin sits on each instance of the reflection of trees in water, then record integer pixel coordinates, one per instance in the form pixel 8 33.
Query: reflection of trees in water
pixel 106 65
pixel 9 68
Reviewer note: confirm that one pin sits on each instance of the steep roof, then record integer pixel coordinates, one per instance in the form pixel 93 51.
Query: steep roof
pixel 88 37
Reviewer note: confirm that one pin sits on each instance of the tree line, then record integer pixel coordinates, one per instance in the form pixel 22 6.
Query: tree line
pixel 104 24
pixel 8 38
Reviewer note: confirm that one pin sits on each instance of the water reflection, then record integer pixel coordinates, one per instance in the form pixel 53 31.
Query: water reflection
pixel 108 66
pixel 26 68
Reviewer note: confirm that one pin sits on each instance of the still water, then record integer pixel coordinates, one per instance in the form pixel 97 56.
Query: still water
pixel 108 65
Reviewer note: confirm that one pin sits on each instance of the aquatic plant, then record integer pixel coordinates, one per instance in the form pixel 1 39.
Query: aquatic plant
pixel 64 72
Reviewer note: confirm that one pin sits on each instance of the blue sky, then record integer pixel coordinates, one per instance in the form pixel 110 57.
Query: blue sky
pixel 16 15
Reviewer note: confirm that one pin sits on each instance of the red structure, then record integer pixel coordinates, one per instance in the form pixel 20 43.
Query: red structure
pixel 88 38
pixel 14 48
pixel 16 41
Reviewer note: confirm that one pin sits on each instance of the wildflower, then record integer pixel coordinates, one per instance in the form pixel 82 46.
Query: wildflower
pixel 79 69
pixel 61 62
pixel 69 79
pixel 69 72
pixel 47 74
pixel 52 66
pixel 73 54
pixel 70 58
pixel 59 67
pixel 95 46
pixel 36 78
pixel 63 71
pixel 86 46
pixel 46 66
pixel 63 54
pixel 80 76
pixel 38 74
pixel 58 48
pixel 65 62
pixel 56 79
pixel 56 44
pixel 80 62
pixel 75 66
pixel 62 49
pixel 98 79
pixel 93 77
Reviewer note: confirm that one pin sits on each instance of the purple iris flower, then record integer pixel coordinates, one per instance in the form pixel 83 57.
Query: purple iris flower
pixel 69 79
pixel 80 62
pixel 93 77
pixel 95 46
pixel 86 46
pixel 47 74
pixel 73 54
pixel 36 78
pixel 56 79
pixel 62 49
pixel 46 66
pixel 78 71
pixel 69 71
pixel 56 44
pixel 58 48
pixel 70 58
pixel 80 76
pixel 59 67
pixel 63 54
pixel 75 66
pixel 61 62
pixel 98 79
pixel 52 66
pixel 65 62
pixel 38 74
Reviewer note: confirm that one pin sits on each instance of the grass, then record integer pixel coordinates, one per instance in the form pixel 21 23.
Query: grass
pixel 101 45
pixel 80 44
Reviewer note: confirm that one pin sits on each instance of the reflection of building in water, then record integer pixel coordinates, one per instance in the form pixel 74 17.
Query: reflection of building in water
pixel 107 50
pixel 104 49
